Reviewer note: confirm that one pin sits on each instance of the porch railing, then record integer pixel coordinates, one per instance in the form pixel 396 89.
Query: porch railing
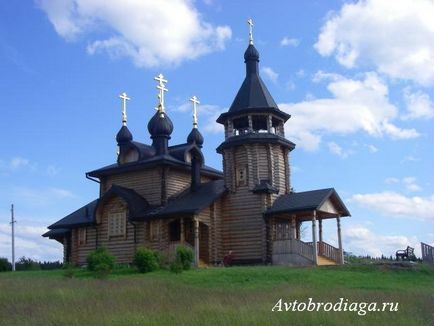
pixel 328 251
pixel 292 246
pixel 427 253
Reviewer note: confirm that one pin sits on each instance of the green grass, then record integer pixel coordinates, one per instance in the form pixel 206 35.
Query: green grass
pixel 215 296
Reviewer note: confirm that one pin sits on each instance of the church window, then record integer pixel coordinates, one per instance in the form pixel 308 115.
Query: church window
pixel 82 236
pixel 242 176
pixel 116 225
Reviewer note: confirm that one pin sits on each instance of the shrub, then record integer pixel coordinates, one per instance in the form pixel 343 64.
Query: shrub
pixel 146 260
pixel 185 257
pixel 176 266
pixel 27 264
pixel 100 261
pixel 68 270
pixel 5 265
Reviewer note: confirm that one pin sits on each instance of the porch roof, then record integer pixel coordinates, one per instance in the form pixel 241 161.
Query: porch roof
pixel 307 201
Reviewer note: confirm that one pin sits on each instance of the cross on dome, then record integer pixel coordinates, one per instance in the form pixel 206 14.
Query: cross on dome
pixel 124 99
pixel 250 22
pixel 162 88
pixel 195 101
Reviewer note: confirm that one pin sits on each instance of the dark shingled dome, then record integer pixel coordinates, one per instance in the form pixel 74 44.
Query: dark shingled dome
pixel 251 53
pixel 160 126
pixel 124 135
pixel 195 137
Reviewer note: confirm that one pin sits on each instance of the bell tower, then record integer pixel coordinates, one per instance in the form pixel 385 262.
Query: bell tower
pixel 255 161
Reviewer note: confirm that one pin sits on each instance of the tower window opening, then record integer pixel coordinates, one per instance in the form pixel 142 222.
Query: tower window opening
pixel 259 123
pixel 241 126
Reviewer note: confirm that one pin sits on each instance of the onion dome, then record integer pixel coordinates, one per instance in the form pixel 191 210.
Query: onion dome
pixel 160 125
pixel 251 54
pixel 124 135
pixel 195 137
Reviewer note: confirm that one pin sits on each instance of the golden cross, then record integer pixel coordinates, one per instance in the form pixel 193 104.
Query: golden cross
pixel 124 99
pixel 195 101
pixel 162 88
pixel 250 22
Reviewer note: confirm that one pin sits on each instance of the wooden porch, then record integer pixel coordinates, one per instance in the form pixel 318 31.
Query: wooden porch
pixel 297 252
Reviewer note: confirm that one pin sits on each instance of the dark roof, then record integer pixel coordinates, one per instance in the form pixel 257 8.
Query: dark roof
pixel 152 161
pixel 191 202
pixel 81 217
pixel 56 233
pixel 265 187
pixel 137 205
pixel 266 138
pixel 160 125
pixel 253 96
pixel 124 135
pixel 195 137
pixel 306 201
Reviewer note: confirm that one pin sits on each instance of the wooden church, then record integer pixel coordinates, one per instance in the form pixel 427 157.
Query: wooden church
pixel 162 195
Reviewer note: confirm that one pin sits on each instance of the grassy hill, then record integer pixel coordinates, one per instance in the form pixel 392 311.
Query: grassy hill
pixel 218 296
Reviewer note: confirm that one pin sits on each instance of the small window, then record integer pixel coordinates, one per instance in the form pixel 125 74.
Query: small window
pixel 116 224
pixel 242 176
pixel 82 236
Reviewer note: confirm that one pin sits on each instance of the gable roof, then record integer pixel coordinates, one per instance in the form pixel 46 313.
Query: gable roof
pixel 307 201
pixel 56 233
pixel 191 202
pixel 137 205
pixel 81 217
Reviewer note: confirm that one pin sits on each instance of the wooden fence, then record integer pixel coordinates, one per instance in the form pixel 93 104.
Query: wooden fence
pixel 427 253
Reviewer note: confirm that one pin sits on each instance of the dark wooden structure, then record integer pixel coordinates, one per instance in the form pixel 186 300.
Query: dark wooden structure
pixel 161 196
pixel 406 254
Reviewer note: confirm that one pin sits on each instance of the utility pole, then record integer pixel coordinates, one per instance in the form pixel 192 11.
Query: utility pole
pixel 13 237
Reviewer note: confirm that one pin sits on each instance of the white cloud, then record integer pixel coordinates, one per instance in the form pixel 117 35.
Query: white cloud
pixel 207 115
pixel 397 39
pixel 151 33
pixel 419 105
pixel 286 41
pixel 391 180
pixel 29 243
pixel 362 241
pixel 394 204
pixel 41 196
pixel 270 74
pixel 15 164
pixel 372 148
pixel 411 185
pixel 355 105
pixel 338 150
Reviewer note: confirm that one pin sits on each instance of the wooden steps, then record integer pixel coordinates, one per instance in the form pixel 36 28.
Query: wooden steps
pixel 202 264
pixel 324 261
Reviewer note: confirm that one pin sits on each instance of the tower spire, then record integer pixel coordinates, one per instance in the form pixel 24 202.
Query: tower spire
pixel 162 88
pixel 124 99
pixel 195 101
pixel 250 22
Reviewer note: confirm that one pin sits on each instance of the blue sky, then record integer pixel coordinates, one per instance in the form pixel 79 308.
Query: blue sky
pixel 357 78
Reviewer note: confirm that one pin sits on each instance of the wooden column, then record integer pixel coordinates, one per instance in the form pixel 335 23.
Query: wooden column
pixel 320 236
pixel 338 222
pixel 315 252
pixel 269 123
pixel 250 120
pixel 182 235
pixel 196 242
pixel 293 231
